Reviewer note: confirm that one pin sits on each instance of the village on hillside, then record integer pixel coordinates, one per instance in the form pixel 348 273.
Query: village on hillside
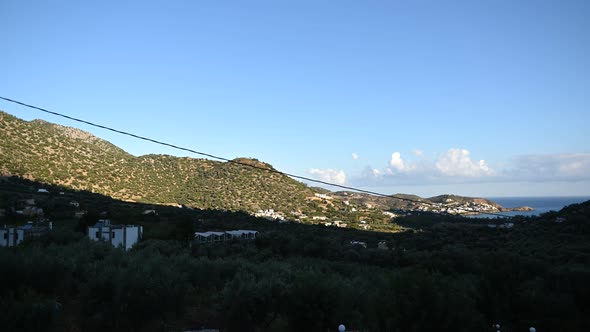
pixel 27 207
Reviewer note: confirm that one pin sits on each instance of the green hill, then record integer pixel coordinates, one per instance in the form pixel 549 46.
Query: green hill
pixel 66 156
pixel 50 153
pixel 454 199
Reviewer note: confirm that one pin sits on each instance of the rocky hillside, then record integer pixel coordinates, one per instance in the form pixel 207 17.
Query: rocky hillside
pixel 50 153
pixel 395 202
pixel 46 152
pixel 453 204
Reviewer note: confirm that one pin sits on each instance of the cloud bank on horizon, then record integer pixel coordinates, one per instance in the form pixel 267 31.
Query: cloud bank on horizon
pixel 456 166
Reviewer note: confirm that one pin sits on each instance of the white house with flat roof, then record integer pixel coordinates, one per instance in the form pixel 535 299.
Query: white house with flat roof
pixel 240 234
pixel 209 236
pixel 12 236
pixel 123 236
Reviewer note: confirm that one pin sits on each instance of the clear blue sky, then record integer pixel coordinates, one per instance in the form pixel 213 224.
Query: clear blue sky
pixel 418 91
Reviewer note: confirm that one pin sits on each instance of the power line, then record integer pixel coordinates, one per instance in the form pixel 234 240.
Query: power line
pixel 218 157
pixel 194 151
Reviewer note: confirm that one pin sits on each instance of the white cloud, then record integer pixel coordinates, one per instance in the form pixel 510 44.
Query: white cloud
pixel 396 162
pixel 355 156
pixel 457 163
pixel 329 175
pixel 418 153
pixel 456 167
pixel 551 167
pixel 453 166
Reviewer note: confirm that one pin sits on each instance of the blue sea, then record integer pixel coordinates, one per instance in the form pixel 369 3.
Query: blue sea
pixel 539 204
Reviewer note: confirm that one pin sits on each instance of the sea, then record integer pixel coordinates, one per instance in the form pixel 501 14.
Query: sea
pixel 539 204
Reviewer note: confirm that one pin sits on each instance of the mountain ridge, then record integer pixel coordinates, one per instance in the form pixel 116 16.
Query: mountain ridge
pixel 52 153
pixel 68 156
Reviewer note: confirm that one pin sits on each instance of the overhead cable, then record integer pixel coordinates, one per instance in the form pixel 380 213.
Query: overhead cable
pixel 271 170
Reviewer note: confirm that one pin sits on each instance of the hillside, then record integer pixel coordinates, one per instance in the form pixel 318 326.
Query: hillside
pixel 50 153
pixel 394 202
pixel 453 204
pixel 461 199
pixel 55 154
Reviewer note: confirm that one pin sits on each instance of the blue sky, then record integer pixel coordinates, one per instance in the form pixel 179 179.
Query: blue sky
pixel 484 98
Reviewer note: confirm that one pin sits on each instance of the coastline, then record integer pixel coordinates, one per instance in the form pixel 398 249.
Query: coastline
pixel 539 204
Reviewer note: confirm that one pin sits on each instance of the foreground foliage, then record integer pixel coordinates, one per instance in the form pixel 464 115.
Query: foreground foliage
pixel 446 276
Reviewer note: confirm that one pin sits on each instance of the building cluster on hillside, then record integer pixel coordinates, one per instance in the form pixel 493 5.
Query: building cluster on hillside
pixel 12 236
pixel 212 236
pixel 269 214
pixel 363 225
pixel 124 236
pixel 390 214
pixel 28 208
pixel 337 223
pixel 456 208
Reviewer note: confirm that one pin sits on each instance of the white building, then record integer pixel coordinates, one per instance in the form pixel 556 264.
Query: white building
pixel 124 236
pixel 390 214
pixel 210 236
pixel 242 234
pixel 269 214
pixel 12 236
